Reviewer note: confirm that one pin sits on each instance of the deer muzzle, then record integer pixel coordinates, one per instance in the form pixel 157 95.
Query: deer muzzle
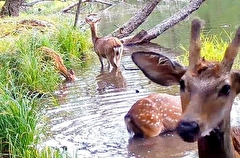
pixel 189 131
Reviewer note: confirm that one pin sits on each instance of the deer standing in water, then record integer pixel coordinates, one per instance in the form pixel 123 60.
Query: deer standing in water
pixel 207 92
pixel 110 48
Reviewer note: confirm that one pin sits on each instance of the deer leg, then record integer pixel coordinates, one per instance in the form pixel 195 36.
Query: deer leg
pixel 109 64
pixel 113 62
pixel 101 60
pixel 117 55
pixel 118 61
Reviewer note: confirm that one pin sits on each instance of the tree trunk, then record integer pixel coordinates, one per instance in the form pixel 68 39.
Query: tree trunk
pixel 127 28
pixel 147 36
pixel 11 8
pixel 77 13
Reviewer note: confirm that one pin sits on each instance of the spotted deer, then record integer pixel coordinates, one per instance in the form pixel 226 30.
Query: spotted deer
pixel 154 114
pixel 58 63
pixel 207 92
pixel 110 48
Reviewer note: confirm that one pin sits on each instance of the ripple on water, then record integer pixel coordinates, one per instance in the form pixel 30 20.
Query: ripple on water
pixel 89 121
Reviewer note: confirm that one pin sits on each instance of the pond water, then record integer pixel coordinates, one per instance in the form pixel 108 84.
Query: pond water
pixel 89 121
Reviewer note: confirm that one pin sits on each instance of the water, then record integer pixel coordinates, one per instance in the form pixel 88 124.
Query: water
pixel 89 121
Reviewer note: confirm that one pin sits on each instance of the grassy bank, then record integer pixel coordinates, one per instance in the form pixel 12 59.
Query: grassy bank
pixel 213 48
pixel 27 78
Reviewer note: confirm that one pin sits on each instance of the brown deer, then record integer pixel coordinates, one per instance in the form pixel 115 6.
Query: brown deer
pixel 154 114
pixel 207 92
pixel 58 63
pixel 110 48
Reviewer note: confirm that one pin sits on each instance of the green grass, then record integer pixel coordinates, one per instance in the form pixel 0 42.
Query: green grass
pixel 27 78
pixel 18 120
pixel 213 49
pixel 76 45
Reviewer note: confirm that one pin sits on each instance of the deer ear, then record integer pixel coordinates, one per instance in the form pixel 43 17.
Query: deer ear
pixel 235 76
pixel 159 68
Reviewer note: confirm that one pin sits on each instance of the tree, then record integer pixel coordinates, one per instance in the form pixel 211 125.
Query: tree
pixel 146 36
pixel 127 28
pixel 11 8
pixel 77 13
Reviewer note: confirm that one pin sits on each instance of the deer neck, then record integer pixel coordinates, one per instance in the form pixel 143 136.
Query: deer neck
pixel 94 33
pixel 218 144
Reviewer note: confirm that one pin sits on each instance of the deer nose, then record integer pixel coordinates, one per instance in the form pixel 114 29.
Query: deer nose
pixel 188 130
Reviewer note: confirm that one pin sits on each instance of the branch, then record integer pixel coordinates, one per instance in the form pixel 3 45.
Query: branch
pixel 65 10
pixel 76 3
pixel 127 28
pixel 169 22
pixel 30 4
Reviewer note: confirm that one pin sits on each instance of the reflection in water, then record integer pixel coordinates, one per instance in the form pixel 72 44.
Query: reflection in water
pixel 161 146
pixel 110 80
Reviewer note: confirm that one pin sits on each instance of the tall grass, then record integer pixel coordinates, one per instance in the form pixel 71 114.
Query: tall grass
pixel 213 49
pixel 73 43
pixel 25 76
pixel 35 73
pixel 18 120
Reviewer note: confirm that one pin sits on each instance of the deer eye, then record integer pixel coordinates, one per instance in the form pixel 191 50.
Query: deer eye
pixel 225 90
pixel 182 85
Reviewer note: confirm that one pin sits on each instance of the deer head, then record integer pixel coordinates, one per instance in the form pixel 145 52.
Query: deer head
pixel 207 89
pixel 92 19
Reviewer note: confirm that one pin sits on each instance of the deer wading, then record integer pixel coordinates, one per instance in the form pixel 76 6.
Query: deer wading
pixel 207 92
pixel 110 48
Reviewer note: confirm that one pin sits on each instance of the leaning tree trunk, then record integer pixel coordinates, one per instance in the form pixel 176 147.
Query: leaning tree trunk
pixel 11 8
pixel 147 36
pixel 127 28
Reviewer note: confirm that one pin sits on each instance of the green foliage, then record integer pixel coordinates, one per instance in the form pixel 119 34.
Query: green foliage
pixel 48 8
pixel 213 49
pixel 35 73
pixel 73 43
pixel 19 129
pixel 26 75
pixel 18 120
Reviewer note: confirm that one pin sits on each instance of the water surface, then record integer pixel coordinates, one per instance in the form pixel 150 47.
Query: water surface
pixel 89 121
